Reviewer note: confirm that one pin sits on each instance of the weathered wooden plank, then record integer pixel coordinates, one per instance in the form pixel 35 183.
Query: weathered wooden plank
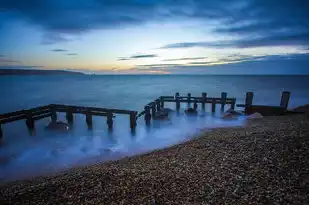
pixel 30 123
pixel 153 109
pixel 117 111
pixel 265 110
pixel 167 97
pixel 158 104
pixel 141 114
pixel 249 100
pixel 1 133
pixel 285 97
pixel 12 119
pixel 38 117
pixel 22 112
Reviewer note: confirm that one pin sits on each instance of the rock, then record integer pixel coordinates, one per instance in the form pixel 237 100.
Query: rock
pixel 191 111
pixel 161 115
pixel 304 108
pixel 231 114
pixel 255 116
pixel 58 126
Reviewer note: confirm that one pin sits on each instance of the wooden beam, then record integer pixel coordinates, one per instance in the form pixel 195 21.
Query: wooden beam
pixel 30 124
pixel 38 117
pixel 162 102
pixel 189 99
pixel 158 104
pixel 153 109
pixel 1 134
pixel 109 120
pixel 233 104
pixel 23 112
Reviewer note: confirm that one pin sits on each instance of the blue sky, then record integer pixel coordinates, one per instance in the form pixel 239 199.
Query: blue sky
pixel 162 36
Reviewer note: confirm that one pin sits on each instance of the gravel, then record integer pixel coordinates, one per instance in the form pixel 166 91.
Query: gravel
pixel 267 162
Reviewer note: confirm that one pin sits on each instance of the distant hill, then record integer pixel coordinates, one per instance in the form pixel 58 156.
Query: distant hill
pixel 37 72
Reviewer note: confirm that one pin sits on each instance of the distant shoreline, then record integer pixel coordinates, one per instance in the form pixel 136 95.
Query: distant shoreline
pixel 22 72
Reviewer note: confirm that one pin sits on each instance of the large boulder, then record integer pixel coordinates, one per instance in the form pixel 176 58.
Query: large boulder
pixel 58 126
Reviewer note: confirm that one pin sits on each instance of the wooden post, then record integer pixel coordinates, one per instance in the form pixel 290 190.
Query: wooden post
pixel 30 124
pixel 223 100
pixel 213 105
pixel 233 104
pixel 158 104
pixel 147 115
pixel 249 100
pixel 285 97
pixel 153 109
pixel 69 116
pixel 89 121
pixel 1 134
pixel 195 105
pixel 53 115
pixel 109 120
pixel 204 97
pixel 162 102
pixel 133 120
pixel 177 101
pixel 189 99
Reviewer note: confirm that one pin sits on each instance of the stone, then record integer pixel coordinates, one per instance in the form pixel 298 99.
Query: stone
pixel 191 111
pixel 255 116
pixel 232 114
pixel 58 126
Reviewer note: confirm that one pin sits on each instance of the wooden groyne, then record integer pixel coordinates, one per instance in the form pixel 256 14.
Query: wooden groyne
pixel 34 114
pixel 151 110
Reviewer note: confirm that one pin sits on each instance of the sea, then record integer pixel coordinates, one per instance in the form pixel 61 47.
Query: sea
pixel 23 156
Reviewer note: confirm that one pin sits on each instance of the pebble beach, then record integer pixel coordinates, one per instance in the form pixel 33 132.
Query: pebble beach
pixel 265 162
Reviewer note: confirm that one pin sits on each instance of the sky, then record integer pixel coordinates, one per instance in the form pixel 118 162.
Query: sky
pixel 156 36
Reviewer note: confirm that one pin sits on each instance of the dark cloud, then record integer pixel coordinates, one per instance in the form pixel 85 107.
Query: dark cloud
pixel 185 59
pixel 1 56
pixel 280 40
pixel 268 23
pixel 72 54
pixel 137 57
pixel 59 50
pixel 159 65
pixel 274 64
pixel 8 61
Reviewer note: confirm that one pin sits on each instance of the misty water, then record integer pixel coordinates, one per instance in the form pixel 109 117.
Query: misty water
pixel 22 155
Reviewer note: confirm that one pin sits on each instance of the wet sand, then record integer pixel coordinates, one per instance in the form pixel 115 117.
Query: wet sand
pixel 267 162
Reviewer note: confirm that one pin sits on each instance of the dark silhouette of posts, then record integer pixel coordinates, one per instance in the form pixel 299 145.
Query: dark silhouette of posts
pixel 69 116
pixel 233 104
pixel 109 121
pixel 223 100
pixel 53 114
pixel 1 133
pixel 158 104
pixel 213 105
pixel 195 105
pixel 204 98
pixel 189 99
pixel 147 115
pixel 249 100
pixel 133 120
pixel 30 123
pixel 285 97
pixel 89 121
pixel 153 109
pixel 177 102
pixel 162 102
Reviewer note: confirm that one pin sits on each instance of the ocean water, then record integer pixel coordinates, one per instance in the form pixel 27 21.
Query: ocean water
pixel 22 155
